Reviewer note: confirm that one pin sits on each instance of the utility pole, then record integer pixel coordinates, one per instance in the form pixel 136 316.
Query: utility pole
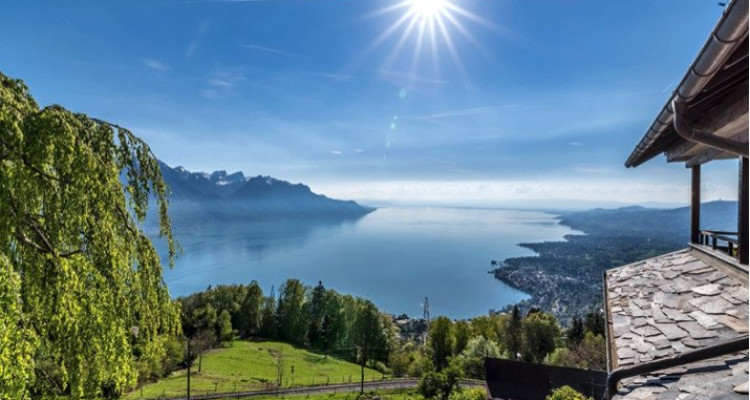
pixel 426 316
pixel 188 371
pixel 427 312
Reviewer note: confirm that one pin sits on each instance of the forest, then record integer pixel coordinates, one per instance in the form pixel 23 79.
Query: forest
pixel 352 328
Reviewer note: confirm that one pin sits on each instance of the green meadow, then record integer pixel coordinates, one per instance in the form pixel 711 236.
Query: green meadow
pixel 250 365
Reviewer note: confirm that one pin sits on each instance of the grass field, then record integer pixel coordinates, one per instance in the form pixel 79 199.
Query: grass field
pixel 249 365
pixel 395 394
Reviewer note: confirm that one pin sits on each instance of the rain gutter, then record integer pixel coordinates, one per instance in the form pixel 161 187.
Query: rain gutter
pixel 726 36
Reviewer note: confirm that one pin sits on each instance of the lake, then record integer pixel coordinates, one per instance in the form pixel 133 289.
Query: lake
pixel 393 256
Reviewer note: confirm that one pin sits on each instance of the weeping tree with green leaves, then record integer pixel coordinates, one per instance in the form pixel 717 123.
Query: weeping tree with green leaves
pixel 82 298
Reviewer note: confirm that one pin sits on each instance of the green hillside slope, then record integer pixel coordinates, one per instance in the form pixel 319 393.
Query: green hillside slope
pixel 249 365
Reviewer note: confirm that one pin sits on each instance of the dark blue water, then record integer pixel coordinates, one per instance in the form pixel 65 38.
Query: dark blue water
pixel 393 256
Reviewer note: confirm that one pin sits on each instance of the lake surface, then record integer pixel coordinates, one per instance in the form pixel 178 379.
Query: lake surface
pixel 394 256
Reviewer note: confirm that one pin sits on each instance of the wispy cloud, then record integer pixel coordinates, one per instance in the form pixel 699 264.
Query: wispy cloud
pixel 336 152
pixel 589 169
pixel 576 144
pixel 465 112
pixel 222 80
pixel 237 1
pixel 270 50
pixel 155 64
pixel 407 79
pixel 203 28
pixel 333 76
pixel 563 193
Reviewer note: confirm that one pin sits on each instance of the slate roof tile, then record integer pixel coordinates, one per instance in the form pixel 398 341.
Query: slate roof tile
pixel 671 304
pixel 710 289
pixel 711 304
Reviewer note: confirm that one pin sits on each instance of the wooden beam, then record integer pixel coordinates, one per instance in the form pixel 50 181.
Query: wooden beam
pixel 709 154
pixel 742 217
pixel 695 204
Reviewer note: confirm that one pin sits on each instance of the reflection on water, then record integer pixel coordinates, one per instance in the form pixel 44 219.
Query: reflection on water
pixel 394 256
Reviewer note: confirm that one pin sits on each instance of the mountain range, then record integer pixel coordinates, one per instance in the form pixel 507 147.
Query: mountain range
pixel 674 222
pixel 201 197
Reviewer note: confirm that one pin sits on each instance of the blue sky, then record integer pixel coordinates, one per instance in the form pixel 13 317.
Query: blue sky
pixel 525 104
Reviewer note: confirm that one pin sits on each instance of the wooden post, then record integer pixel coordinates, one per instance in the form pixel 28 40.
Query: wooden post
pixel 188 371
pixel 742 215
pixel 695 205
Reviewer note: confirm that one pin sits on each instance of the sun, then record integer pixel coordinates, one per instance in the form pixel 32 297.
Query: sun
pixel 427 10
pixel 429 26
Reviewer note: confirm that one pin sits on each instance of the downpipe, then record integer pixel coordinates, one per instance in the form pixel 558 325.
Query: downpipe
pixel 697 135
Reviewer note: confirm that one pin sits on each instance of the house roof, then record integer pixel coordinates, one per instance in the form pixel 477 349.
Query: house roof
pixel 671 304
pixel 712 97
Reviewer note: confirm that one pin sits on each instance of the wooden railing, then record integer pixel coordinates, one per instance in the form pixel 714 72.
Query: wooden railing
pixel 723 241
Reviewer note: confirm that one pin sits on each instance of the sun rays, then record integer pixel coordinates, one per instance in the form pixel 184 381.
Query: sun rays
pixel 428 27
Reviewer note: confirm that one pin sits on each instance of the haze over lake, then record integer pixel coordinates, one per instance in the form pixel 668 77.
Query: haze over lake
pixel 393 256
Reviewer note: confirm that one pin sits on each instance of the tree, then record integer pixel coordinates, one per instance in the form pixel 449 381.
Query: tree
pixel 268 325
pixel 73 255
pixel 440 385
pixel 593 349
pixel 279 363
pixel 484 326
pixel 461 336
pixel 513 338
pixel 316 308
pixel 399 361
pixel 368 334
pixel 539 332
pixel 333 325
pixel 250 314
pixel 440 341
pixel 226 333
pixel 575 332
pixel 473 356
pixel 595 322
pixel 202 321
pixel 290 311
pixel 17 340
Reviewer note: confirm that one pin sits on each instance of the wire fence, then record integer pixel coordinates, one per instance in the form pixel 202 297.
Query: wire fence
pixel 202 386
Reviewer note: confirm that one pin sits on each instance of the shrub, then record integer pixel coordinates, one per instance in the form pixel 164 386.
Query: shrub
pixel 440 385
pixel 469 394
pixel 381 367
pixel 566 393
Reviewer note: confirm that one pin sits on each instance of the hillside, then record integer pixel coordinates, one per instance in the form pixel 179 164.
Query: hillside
pixel 199 198
pixel 667 223
pixel 249 365
pixel 565 278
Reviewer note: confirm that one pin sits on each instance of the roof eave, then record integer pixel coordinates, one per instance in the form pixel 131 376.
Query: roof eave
pixel 726 36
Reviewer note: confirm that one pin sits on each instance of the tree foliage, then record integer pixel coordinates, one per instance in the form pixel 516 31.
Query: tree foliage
pixel 251 317
pixel 440 385
pixel 576 331
pixel 290 312
pixel 461 336
pixel 226 333
pixel 440 341
pixel 539 333
pixel 81 282
pixel 566 393
pixel 595 322
pixel 369 334
pixel 513 333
